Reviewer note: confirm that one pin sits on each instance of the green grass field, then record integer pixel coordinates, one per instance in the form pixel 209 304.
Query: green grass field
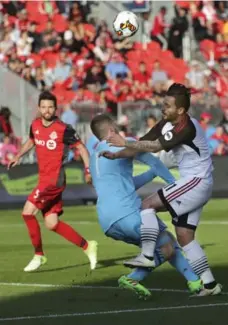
pixel 65 292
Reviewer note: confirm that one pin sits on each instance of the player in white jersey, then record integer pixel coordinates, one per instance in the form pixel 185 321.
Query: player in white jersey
pixel 185 198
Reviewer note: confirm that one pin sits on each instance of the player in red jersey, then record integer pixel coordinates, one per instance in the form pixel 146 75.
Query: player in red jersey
pixel 51 138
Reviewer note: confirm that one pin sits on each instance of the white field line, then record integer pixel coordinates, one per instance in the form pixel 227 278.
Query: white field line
pixel 78 286
pixel 112 312
pixel 209 222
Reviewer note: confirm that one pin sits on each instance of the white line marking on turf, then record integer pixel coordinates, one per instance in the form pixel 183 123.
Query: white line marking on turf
pixel 44 285
pixel 206 222
pixel 108 312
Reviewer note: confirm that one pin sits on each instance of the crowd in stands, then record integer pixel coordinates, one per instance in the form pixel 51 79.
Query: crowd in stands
pixel 54 45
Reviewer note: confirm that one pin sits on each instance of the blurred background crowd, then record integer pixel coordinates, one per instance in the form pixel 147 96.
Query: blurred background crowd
pixel 61 46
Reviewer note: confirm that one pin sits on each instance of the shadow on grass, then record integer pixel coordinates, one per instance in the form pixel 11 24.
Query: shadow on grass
pixel 101 264
pixel 59 301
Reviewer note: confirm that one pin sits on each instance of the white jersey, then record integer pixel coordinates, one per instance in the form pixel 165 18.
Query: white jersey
pixel 188 144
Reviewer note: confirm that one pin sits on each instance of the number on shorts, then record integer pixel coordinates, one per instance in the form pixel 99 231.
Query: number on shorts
pixel 36 195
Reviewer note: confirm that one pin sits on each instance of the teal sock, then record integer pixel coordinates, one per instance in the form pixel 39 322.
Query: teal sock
pixel 180 263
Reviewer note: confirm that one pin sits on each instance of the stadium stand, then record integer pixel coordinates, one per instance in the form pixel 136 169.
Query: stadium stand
pixel 56 45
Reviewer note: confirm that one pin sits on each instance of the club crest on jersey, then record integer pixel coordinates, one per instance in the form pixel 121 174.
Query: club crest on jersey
pixel 53 135
pixel 168 136
pixel 51 144
pixel 37 132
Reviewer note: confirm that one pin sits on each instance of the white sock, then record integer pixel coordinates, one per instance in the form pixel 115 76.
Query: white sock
pixel 149 231
pixel 198 261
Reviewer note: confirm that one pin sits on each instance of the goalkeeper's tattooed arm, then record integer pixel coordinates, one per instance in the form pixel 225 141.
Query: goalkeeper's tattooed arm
pixel 135 146
pixel 144 146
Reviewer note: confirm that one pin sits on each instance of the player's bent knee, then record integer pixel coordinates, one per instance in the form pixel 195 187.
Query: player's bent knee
pixel 168 247
pixel 168 251
pixel 152 202
pixel 51 222
pixel 184 235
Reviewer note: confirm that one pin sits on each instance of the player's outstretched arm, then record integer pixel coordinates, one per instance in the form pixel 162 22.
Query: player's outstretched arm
pixel 139 146
pixel 144 178
pixel 26 147
pixel 84 153
pixel 125 153
pixel 157 165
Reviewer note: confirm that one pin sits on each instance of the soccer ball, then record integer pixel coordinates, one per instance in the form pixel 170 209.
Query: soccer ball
pixel 126 24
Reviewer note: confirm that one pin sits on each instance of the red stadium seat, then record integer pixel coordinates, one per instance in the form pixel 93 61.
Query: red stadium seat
pixel 37 59
pixel 207 46
pixel 154 46
pixel 51 59
pixel 60 23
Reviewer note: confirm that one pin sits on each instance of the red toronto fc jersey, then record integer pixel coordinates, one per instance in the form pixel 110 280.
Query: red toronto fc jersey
pixel 52 144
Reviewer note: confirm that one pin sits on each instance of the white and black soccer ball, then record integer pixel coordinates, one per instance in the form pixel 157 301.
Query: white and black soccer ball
pixel 126 24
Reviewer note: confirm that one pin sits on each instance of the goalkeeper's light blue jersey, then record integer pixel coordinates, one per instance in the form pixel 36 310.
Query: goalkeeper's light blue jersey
pixel 115 185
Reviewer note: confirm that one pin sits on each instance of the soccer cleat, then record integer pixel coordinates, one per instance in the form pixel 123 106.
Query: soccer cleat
pixel 36 263
pixel 203 292
pixel 140 261
pixel 91 252
pixel 195 286
pixel 135 286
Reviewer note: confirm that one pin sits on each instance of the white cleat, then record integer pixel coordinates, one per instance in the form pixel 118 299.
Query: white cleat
pixel 36 263
pixel 91 252
pixel 217 290
pixel 140 261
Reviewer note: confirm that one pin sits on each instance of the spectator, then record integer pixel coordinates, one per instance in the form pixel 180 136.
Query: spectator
pixel 95 79
pixel 199 22
pixel 6 43
pixel 24 45
pixel 176 33
pixel 222 83
pixel 72 81
pixel 28 75
pixel 222 9
pixel 103 48
pixel 225 29
pixel 64 7
pixel 75 11
pixel 221 47
pixel 196 76
pixel 39 80
pixel 218 142
pixel 36 44
pixel 13 7
pixel 47 7
pixel 48 74
pixel 159 92
pixel 116 66
pixel 69 116
pixel 209 11
pixel 7 151
pixel 151 121
pixel 63 67
pixel 22 21
pixel 14 32
pixel 5 124
pixel 142 75
pixel 158 75
pixel 158 29
pixel 70 43
pixel 224 122
pixel 209 129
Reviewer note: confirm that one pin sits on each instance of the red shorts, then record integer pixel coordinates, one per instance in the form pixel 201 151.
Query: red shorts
pixel 48 199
